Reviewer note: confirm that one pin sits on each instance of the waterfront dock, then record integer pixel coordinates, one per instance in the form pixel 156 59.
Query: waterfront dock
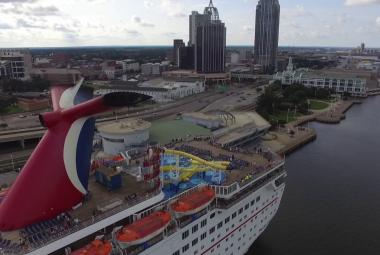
pixel 295 135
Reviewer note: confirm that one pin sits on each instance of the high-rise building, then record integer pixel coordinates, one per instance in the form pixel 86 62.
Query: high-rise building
pixel 362 47
pixel 20 62
pixel 186 58
pixel 178 43
pixel 206 49
pixel 266 34
pixel 196 19
pixel 210 42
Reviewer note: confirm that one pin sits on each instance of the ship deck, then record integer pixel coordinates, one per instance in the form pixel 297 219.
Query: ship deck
pixel 249 165
pixel 101 197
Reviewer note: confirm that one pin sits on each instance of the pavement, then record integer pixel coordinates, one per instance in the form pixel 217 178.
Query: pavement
pixel 234 99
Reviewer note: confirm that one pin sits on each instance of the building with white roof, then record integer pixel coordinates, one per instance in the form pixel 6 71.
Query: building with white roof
pixel 120 136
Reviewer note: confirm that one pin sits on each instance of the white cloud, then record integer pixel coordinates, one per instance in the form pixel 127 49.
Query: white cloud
pixel 378 22
pixel 361 2
pixel 140 22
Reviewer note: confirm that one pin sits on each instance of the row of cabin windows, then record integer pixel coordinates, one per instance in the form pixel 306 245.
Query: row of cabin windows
pixel 194 229
pixel 212 230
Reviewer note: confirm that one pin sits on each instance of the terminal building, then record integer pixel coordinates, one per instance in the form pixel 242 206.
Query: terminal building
pixel 339 82
pixel 120 136
pixel 160 90
pixel 231 128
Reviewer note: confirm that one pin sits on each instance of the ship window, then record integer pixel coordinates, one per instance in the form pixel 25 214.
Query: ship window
pixel 194 242
pixel 203 236
pixel 227 220
pixel 220 224
pixel 203 223
pixel 176 253
pixel 212 230
pixel 185 234
pixel 234 215
pixel 252 202
pixel 212 215
pixel 185 248
pixel 240 210
pixel 246 206
pixel 194 229
pixel 258 199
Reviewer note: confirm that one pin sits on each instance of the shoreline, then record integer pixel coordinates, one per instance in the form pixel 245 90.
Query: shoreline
pixel 295 135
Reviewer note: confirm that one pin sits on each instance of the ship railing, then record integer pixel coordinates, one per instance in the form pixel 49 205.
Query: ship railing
pixel 93 220
pixel 227 192
pixel 244 193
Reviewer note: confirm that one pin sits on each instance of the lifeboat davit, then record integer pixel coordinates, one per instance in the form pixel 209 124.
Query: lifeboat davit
pixel 144 229
pixel 97 247
pixel 194 202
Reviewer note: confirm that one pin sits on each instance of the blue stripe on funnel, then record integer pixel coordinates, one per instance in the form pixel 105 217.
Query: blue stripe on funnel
pixel 84 150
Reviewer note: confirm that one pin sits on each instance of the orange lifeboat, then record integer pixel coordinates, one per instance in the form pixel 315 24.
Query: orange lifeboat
pixel 194 202
pixel 144 229
pixel 97 247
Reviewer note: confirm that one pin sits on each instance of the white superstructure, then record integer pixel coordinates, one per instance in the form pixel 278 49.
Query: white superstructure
pixel 226 230
pixel 228 223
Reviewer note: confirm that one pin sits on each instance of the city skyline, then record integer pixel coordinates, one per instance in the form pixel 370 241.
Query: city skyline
pixel 48 23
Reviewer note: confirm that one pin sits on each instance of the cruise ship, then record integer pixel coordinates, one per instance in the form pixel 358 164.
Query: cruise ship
pixel 189 197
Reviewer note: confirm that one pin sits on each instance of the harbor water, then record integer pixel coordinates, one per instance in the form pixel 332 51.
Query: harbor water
pixel 332 200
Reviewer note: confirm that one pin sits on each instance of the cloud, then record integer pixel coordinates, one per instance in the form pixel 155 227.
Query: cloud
pixel 248 28
pixel 23 23
pixel 140 22
pixel 148 4
pixel 63 28
pixel 5 26
pixel 378 22
pixel 173 8
pixel 32 10
pixel 361 2
pixel 132 32
pixel 17 1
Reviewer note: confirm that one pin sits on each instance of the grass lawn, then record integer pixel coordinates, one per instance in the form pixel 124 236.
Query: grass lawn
pixel 11 110
pixel 164 131
pixel 283 116
pixel 318 105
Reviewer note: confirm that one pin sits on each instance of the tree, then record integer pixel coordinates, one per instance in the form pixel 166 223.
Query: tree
pixel 269 101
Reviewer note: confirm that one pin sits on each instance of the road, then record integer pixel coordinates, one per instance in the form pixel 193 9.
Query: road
pixel 201 102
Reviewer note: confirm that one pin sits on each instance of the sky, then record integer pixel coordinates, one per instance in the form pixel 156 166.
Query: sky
pixel 56 23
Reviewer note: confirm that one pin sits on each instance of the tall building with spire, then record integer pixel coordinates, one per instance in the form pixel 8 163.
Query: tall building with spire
pixel 206 50
pixel 210 42
pixel 266 34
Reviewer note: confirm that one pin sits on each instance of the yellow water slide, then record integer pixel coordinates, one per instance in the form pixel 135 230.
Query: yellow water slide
pixel 198 159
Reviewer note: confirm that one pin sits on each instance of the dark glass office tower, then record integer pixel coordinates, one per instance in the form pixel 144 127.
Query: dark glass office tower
pixel 210 44
pixel 266 34
pixel 177 44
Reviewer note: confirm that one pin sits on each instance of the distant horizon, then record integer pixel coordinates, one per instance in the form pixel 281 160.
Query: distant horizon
pixel 53 23
pixel 170 46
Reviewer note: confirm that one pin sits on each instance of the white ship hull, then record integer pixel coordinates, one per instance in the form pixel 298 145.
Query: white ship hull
pixel 223 229
pixel 234 237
